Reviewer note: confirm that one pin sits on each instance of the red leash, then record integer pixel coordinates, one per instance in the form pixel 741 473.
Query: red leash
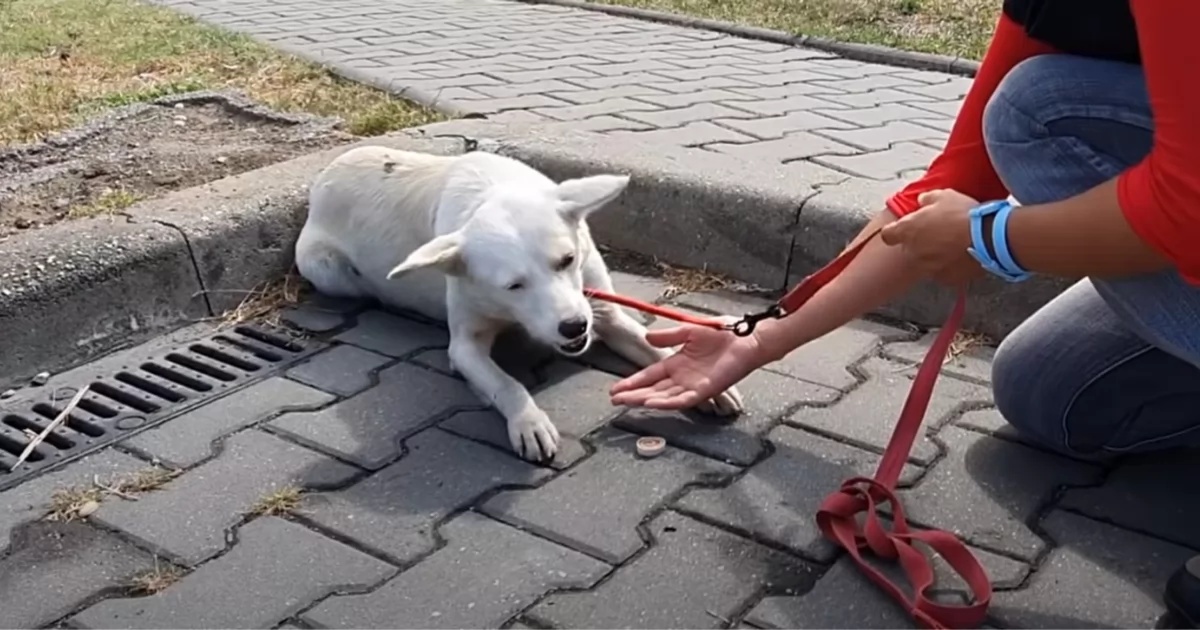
pixel 837 516
pixel 654 309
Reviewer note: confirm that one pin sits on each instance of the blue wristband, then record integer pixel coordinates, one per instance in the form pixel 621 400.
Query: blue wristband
pixel 1000 243
pixel 1005 267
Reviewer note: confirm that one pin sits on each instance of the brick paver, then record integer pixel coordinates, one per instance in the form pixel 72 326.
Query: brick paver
pixel 415 513
pixel 586 70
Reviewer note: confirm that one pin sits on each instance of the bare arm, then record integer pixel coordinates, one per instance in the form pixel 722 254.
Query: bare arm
pixel 877 276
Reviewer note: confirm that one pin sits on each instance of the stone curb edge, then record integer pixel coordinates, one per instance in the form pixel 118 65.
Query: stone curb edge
pixel 869 53
pixel 80 289
pixel 757 222
pixel 83 288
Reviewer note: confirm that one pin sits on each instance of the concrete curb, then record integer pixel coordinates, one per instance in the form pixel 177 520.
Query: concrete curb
pixel 869 53
pixel 837 213
pixel 757 221
pixel 79 289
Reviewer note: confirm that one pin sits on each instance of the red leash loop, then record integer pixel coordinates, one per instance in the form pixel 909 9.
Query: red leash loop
pixel 838 515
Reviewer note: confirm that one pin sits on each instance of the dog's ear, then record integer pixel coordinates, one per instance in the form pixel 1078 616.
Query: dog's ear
pixel 580 197
pixel 443 253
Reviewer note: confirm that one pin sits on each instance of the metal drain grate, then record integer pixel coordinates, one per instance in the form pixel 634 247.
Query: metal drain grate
pixel 143 392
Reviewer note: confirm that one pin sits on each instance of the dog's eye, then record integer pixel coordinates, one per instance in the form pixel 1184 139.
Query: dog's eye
pixel 566 262
pixel 516 286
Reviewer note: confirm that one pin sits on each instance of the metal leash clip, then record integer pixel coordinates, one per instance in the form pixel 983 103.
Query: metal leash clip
pixel 745 326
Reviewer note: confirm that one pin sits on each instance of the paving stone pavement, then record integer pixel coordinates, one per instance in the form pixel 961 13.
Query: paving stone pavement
pixel 836 119
pixel 413 512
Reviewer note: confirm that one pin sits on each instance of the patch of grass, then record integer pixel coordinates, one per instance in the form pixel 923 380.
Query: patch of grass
pixel 963 343
pixel 111 201
pixel 154 580
pixel 277 502
pixel 264 303
pixel 76 502
pixel 63 60
pixel 70 504
pixel 681 280
pixel 149 93
pixel 949 27
pixel 146 479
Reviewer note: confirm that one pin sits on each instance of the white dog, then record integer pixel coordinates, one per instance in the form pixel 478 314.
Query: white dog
pixel 482 242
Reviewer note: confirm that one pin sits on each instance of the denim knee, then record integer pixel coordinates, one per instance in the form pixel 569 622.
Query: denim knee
pixel 1015 393
pixel 1058 125
pixel 1103 368
pixel 1045 372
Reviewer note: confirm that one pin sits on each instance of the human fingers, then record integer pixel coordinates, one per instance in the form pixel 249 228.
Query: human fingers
pixel 648 376
pixel 896 232
pixel 638 397
pixel 668 337
pixel 685 399
pixel 930 197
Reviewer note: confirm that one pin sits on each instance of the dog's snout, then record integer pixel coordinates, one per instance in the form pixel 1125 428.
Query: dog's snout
pixel 572 328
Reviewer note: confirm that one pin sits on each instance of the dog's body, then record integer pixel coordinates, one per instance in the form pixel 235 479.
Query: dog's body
pixel 482 242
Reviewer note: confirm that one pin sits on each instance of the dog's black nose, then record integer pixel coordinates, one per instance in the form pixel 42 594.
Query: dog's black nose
pixel 572 328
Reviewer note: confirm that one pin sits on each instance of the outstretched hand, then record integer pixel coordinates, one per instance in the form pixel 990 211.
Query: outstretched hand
pixel 707 363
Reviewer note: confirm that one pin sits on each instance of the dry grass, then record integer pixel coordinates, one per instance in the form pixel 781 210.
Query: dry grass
pixel 67 504
pixel 963 343
pixel 74 503
pixel 681 280
pixel 63 60
pixel 154 580
pixel 951 27
pixel 278 502
pixel 111 201
pixel 264 303
pixel 146 479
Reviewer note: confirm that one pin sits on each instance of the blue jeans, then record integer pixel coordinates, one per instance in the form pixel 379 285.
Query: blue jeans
pixel 1109 367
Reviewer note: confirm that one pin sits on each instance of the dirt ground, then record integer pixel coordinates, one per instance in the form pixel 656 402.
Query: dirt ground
pixel 161 149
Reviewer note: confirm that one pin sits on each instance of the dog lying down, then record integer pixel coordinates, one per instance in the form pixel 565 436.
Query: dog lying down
pixel 482 242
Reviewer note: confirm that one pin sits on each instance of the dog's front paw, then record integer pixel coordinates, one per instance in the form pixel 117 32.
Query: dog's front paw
pixel 727 403
pixel 533 436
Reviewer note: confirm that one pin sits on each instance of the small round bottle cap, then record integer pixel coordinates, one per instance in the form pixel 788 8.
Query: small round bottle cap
pixel 651 446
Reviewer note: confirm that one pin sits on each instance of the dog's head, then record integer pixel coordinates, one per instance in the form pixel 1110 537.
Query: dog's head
pixel 522 253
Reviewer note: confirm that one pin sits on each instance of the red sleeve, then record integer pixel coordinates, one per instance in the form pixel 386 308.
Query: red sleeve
pixel 963 164
pixel 1160 196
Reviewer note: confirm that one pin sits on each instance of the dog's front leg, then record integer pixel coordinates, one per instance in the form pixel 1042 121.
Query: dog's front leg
pixel 624 335
pixel 532 434
pixel 627 337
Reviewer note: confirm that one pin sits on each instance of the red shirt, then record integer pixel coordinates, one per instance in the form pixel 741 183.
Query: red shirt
pixel 1160 196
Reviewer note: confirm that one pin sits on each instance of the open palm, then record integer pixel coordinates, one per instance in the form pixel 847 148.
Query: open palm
pixel 707 363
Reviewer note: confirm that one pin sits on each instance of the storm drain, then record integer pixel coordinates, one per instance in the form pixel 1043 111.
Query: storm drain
pixel 145 392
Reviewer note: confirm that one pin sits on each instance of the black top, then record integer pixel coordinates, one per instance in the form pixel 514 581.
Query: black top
pixel 1089 28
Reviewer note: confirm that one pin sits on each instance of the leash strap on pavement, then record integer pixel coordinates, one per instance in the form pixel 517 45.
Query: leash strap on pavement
pixel 837 517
